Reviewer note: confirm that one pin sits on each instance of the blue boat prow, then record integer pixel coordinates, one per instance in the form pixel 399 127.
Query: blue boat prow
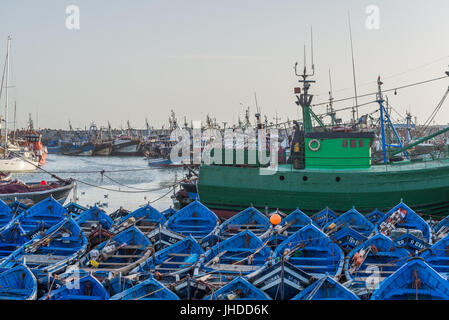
pixel 311 250
pixel 18 283
pixel 86 288
pixel 52 251
pixel 194 220
pixel 378 256
pixel 411 222
pixel 293 222
pixel 145 218
pixel 150 289
pixel 42 216
pixel 93 218
pixel 323 217
pixel 248 219
pixel 238 289
pixel 326 288
pixel 415 280
pixel 351 219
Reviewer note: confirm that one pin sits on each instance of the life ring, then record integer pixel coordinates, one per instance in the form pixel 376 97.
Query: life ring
pixel 317 146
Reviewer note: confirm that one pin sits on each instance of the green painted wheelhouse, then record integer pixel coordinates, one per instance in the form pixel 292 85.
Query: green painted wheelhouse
pixel 344 150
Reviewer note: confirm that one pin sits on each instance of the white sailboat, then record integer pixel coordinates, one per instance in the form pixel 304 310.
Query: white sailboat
pixel 10 161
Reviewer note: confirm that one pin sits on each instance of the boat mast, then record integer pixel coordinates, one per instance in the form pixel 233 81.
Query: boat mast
pixel 6 95
pixel 355 109
pixel 15 112
pixel 385 120
pixel 305 99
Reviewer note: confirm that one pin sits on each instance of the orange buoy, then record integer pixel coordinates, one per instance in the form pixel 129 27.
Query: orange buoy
pixel 43 183
pixel 275 219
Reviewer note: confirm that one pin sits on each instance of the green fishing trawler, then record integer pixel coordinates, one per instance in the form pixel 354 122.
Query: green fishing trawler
pixel 332 168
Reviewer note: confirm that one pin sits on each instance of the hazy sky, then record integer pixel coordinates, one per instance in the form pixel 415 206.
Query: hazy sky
pixel 141 58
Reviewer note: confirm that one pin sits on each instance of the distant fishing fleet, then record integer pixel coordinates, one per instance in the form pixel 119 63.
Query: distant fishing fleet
pixel 54 252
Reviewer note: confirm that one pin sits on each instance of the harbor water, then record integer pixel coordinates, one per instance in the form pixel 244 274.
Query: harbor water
pixel 127 182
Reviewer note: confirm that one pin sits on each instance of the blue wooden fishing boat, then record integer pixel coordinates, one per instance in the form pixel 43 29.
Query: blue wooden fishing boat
pixel 117 255
pixel 326 288
pixel 280 279
pixel 52 251
pixel 415 280
pixel 194 220
pixel 437 256
pixel 376 259
pixel 40 217
pixel 145 218
pixel 18 283
pixel 248 219
pixel 401 220
pixel 150 289
pixel 6 214
pixel 238 289
pixel 77 148
pixel 85 288
pixel 241 254
pixel 96 225
pixel 54 146
pixel 309 249
pixel 293 222
pixel 92 219
pixel 324 216
pixel 74 209
pixel 173 260
pixel 349 230
pixel 375 216
pixel 350 219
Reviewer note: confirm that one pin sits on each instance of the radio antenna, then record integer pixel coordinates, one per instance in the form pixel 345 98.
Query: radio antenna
pixel 355 110
pixel 311 45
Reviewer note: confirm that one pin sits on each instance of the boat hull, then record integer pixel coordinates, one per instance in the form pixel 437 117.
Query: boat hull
pixel 130 148
pixel 85 150
pixel 103 149
pixel 425 188
pixel 16 165
pixel 30 198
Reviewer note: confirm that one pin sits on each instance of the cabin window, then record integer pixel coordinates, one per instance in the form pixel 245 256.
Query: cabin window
pixel 361 143
pixel 345 143
pixel 353 143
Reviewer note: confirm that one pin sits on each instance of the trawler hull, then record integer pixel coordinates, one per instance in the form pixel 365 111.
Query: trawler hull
pixel 423 186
